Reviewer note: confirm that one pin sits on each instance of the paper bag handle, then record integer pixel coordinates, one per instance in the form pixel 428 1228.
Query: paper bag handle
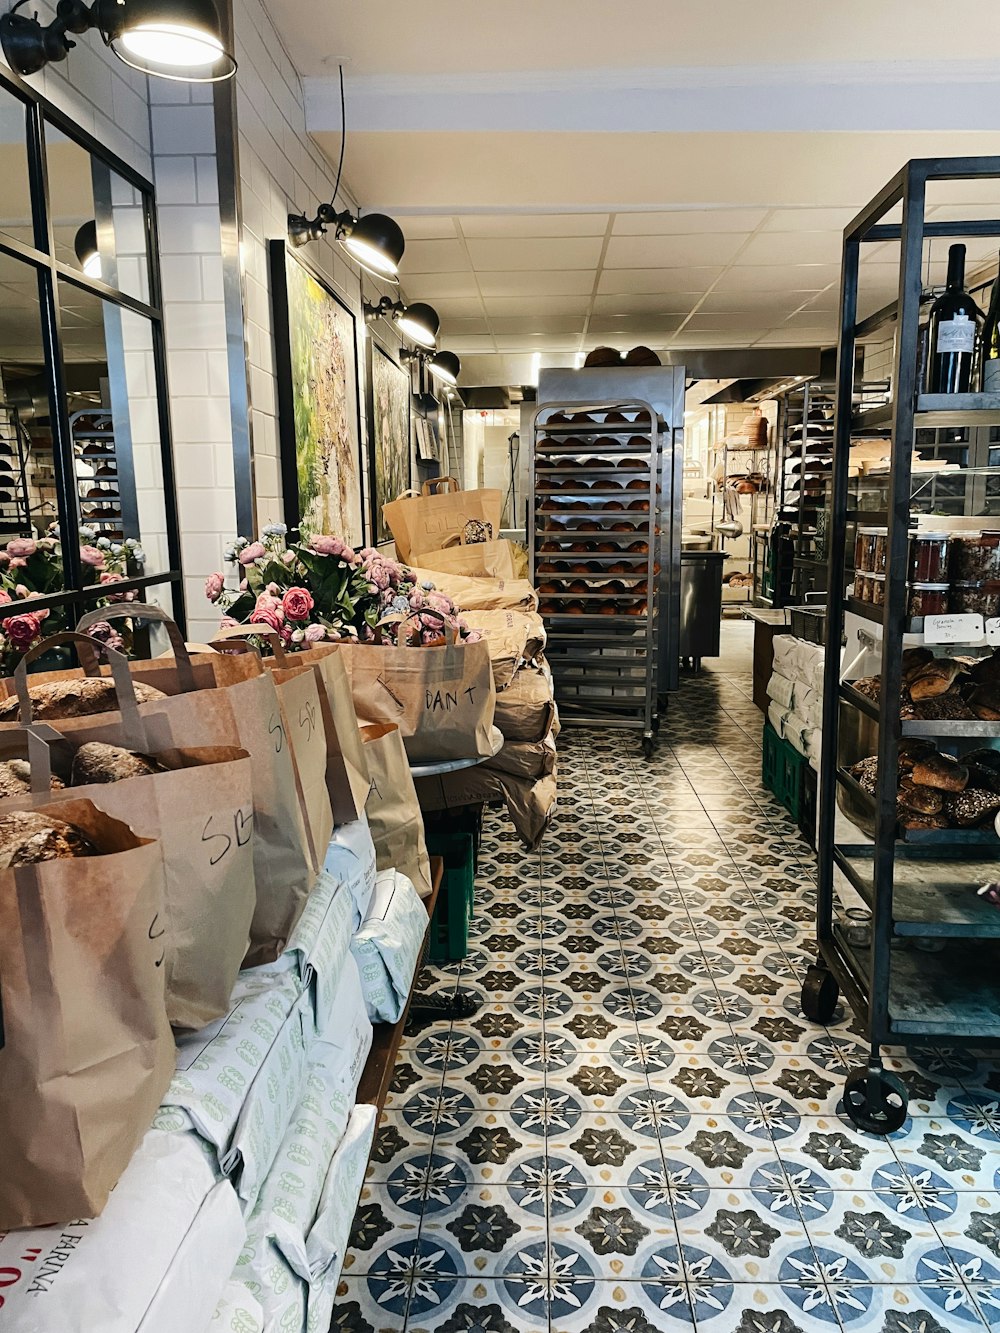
pixel 242 633
pixel 27 743
pixel 133 730
pixel 143 611
pixel 440 486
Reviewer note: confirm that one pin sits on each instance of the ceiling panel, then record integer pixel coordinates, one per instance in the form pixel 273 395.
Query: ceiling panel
pixel 571 282
pixel 491 225
pixel 652 280
pixel 470 343
pixel 439 286
pixel 809 219
pixel 762 303
pixel 689 221
pixel 537 324
pixel 793 247
pixel 537 305
pixel 728 321
pixel 568 343
pixel 655 303
pixel 426 227
pixel 434 257
pixel 467 307
pixel 778 277
pixel 547 252
pixel 633 325
pixel 457 328
pixel 672 251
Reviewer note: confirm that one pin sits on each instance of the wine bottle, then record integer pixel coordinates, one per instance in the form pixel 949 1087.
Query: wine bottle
pixel 955 321
pixel 989 375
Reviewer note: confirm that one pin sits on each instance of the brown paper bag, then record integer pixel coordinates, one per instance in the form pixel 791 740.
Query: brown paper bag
pixel 525 759
pixel 87 1053
pixel 397 826
pixel 493 560
pixel 430 522
pixel 200 811
pixel 346 766
pixel 526 709
pixel 302 712
pixel 530 802
pixel 482 594
pixel 442 699
pixel 246 715
pixel 513 638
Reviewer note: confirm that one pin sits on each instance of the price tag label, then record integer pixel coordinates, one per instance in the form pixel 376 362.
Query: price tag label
pixel 993 632
pixel 953 629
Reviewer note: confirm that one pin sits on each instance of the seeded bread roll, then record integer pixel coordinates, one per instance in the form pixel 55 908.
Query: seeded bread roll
pixel 942 772
pixel 96 762
pixel 909 819
pixel 922 800
pixel 971 807
pixel 15 778
pixel 74 698
pixel 29 836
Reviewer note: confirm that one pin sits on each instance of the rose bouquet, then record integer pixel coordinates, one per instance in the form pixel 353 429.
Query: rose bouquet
pixel 31 568
pixel 319 590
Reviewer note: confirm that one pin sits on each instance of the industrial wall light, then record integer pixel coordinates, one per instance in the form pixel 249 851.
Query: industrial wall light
pixel 374 241
pixel 445 366
pixel 85 245
pixel 171 39
pixel 418 322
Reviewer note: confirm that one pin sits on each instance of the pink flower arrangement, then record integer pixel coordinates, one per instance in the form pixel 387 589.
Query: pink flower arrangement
pixel 91 555
pixel 22 547
pixel 22 630
pixel 322 589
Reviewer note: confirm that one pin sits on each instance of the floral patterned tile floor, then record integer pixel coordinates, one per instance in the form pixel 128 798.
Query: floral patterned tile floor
pixel 639 1132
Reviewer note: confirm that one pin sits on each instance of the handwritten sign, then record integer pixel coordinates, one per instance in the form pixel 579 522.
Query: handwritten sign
pixel 993 632
pixel 953 629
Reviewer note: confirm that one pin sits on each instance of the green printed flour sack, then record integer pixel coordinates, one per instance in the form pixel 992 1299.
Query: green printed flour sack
pixel 350 858
pixel 388 946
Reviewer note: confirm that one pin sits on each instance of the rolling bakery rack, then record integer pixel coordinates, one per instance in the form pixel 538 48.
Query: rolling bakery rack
pixel 922 886
pixel 596 485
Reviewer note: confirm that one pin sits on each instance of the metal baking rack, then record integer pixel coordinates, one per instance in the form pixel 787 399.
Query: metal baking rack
pixel 595 506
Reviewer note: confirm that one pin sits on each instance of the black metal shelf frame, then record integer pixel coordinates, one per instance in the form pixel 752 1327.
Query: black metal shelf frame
pixel 895 994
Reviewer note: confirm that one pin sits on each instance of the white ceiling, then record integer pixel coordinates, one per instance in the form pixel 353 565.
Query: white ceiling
pixel 559 188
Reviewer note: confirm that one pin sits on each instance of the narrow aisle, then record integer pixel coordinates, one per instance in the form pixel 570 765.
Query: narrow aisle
pixel 639 1131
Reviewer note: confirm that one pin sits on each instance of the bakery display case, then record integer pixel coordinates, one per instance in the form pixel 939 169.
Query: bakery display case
pixel 596 504
pixel 910 770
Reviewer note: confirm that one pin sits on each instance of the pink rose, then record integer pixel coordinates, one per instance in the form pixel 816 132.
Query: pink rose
pixel 214 585
pixel 22 546
pixel 227 622
pixel 251 553
pixel 5 596
pixel 266 615
pixel 4 559
pixel 288 558
pixel 315 633
pixel 265 602
pixel 379 575
pixel 16 562
pixel 103 632
pixel 326 545
pixel 90 555
pixel 297 603
pixel 22 630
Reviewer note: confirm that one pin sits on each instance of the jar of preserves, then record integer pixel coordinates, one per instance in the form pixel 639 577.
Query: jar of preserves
pixel 880 558
pixel 929 558
pixel 861 586
pixel 877 586
pixel 864 550
pixel 976 599
pixel 975 557
pixel 928 599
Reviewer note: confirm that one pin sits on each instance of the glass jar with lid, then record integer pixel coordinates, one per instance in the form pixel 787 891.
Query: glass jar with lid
pixel 928 599
pixel 929 557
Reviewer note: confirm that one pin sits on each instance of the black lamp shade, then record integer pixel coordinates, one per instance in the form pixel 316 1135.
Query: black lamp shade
pixel 172 39
pixel 85 245
pixel 420 323
pixel 445 366
pixel 377 244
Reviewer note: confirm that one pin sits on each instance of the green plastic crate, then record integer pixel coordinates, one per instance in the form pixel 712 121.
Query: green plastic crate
pixel 794 766
pixel 448 941
pixel 772 768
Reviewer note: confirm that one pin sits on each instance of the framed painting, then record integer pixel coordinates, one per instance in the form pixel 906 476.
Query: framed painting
pixel 388 433
pixel 319 421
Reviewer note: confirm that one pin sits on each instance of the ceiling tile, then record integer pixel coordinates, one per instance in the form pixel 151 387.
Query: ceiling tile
pixel 689 221
pixel 571 282
pixel 728 322
pixel 457 328
pixel 434 257
pixel 809 219
pixel 631 326
pixel 426 227
pixel 549 252
pixel 649 280
pixel 471 343
pixel 533 224
pixel 438 286
pixel 537 305
pixel 656 303
pixel 531 325
pixel 671 251
pixel 793 247
pixel 803 337
pixel 568 343
pixel 778 277
pixel 450 308
pixel 776 303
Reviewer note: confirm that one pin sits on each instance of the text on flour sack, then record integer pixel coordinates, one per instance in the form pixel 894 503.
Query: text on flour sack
pixel 40 1278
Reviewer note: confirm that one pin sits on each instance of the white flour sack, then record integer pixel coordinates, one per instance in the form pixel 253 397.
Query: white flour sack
pixel 350 858
pixel 155 1261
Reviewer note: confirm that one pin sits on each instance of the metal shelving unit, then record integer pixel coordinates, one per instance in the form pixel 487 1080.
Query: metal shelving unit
pixel 98 481
pixel 595 506
pixel 15 498
pixel 922 887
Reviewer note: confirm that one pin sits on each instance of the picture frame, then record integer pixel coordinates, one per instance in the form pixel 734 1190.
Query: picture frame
pixel 319 406
pixel 388 391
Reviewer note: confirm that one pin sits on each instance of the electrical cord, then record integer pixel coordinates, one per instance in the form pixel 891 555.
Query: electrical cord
pixel 343 135
pixel 514 458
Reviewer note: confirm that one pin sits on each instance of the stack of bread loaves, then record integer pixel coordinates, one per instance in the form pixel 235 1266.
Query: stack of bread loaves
pixel 795 694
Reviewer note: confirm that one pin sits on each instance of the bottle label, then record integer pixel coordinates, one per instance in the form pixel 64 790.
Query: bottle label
pixel 956 335
pixel 991 376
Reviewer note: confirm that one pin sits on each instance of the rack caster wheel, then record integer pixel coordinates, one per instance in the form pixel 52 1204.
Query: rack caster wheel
pixel 875 1100
pixel 648 745
pixel 819 995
